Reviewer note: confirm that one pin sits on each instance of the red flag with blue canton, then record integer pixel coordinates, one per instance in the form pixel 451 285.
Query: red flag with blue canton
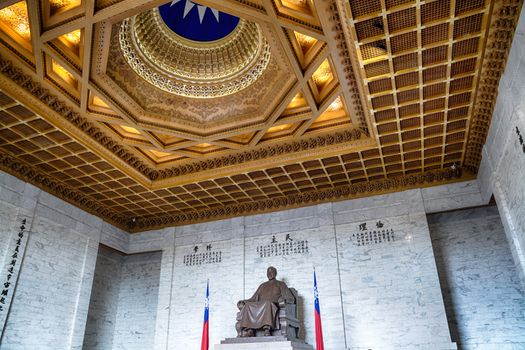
pixel 319 345
pixel 205 332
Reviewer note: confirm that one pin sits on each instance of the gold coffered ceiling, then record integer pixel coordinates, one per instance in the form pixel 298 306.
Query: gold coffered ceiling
pixel 355 98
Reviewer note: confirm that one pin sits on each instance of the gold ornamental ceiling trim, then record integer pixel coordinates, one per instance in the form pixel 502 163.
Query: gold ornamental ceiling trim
pixel 353 191
pixel 44 102
pixel 285 153
pixel 40 179
pixel 192 69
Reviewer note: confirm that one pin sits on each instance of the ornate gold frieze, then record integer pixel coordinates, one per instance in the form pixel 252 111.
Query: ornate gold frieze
pixel 40 179
pixel 260 154
pixel 302 199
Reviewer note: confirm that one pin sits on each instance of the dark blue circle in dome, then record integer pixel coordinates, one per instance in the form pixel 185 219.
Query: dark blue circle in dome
pixel 190 26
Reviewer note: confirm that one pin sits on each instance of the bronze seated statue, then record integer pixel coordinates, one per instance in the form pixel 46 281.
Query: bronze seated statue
pixel 271 311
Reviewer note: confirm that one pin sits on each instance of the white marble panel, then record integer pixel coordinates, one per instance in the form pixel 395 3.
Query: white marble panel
pixel 188 286
pixel 44 310
pixel 452 196
pixel 287 220
pixel 370 208
pixel 137 302
pixel 114 237
pixel 164 305
pixel 8 229
pixel 209 231
pixel 18 193
pixel 485 303
pixel 100 326
pixel 390 289
pixel 150 240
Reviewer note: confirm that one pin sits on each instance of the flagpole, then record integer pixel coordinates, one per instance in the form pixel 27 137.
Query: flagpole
pixel 205 326
pixel 319 343
pixel 339 276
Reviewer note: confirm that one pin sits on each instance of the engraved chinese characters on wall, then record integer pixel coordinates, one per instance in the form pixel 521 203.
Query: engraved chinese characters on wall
pixel 202 254
pixel 279 247
pixel 520 139
pixel 11 267
pixel 373 232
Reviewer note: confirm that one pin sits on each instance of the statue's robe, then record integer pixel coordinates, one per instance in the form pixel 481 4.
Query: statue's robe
pixel 261 309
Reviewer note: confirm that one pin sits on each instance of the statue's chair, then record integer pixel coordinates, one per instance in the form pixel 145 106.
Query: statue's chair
pixel 287 322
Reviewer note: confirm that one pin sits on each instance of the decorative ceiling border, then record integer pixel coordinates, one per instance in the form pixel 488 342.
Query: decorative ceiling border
pixel 346 62
pixel 304 199
pixel 310 144
pixel 29 174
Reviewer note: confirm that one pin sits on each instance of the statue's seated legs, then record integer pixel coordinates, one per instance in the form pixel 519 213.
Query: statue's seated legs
pixel 257 315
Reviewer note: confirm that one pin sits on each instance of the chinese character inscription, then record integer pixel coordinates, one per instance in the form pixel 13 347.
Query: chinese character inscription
pixel 206 256
pixel 375 233
pixel 11 266
pixel 288 247
pixel 520 139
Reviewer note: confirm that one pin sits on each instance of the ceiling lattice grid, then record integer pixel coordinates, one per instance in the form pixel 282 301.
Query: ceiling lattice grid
pixel 420 62
pixel 359 98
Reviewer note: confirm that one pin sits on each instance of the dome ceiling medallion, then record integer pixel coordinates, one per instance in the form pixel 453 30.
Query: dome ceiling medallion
pixel 194 51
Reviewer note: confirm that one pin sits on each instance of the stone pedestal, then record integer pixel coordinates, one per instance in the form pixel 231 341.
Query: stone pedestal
pixel 258 343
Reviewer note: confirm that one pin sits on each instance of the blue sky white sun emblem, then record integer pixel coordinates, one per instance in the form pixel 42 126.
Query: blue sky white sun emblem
pixel 196 22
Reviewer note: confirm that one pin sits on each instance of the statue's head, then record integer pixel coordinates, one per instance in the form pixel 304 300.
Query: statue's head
pixel 271 273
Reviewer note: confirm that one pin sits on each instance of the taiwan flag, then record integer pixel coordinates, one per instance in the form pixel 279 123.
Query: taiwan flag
pixel 205 332
pixel 319 345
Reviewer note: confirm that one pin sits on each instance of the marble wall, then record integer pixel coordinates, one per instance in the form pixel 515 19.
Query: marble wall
pixel 502 169
pixel 378 282
pixel 484 300
pixel 17 205
pixel 377 278
pixel 123 303
pixel 137 301
pixel 50 295
pixel 100 326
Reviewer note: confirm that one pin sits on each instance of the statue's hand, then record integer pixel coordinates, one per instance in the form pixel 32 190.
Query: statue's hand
pixel 281 301
pixel 240 304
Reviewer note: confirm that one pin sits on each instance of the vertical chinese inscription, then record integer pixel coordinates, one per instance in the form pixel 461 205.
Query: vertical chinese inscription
pixel 520 139
pixel 373 233
pixel 11 266
pixel 288 247
pixel 205 256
